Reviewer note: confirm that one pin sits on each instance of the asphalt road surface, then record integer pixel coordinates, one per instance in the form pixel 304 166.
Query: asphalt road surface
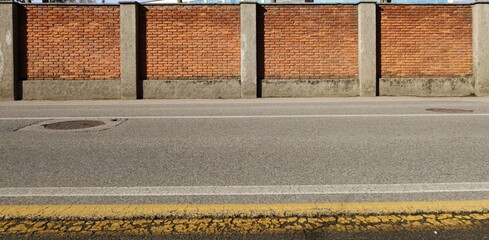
pixel 421 235
pixel 246 151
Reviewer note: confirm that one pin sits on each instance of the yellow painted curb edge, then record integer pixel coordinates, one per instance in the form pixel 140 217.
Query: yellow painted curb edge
pixel 129 211
pixel 224 219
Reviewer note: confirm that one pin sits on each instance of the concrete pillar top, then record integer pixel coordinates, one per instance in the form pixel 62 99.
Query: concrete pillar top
pixel 128 2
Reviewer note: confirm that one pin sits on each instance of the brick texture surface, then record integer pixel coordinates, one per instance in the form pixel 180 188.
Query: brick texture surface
pixel 203 41
pixel 426 41
pixel 70 42
pixel 190 42
pixel 308 42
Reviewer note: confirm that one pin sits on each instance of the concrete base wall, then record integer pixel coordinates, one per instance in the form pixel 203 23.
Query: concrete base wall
pixel 213 89
pixel 427 87
pixel 310 88
pixel 177 89
pixel 71 89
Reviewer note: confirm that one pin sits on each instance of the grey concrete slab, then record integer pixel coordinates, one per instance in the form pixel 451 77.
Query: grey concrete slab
pixel 189 89
pixel 310 87
pixel 71 89
pixel 433 87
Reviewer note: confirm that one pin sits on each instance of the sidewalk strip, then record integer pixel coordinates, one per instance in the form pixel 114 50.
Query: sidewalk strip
pixel 255 116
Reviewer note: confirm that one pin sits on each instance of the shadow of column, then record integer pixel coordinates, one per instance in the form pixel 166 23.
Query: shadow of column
pixel 260 47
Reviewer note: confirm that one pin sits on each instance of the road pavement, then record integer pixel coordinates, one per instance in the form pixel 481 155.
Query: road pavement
pixel 246 151
pixel 417 235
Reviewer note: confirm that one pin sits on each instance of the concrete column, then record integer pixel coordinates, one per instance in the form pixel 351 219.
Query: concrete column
pixel 367 48
pixel 129 53
pixel 248 50
pixel 480 47
pixel 9 87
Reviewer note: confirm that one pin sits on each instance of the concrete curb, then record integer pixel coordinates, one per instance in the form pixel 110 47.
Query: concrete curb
pixel 77 220
pixel 121 211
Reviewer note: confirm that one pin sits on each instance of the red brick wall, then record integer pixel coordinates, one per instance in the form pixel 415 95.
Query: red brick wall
pixel 203 42
pixel 190 42
pixel 426 41
pixel 310 42
pixel 71 42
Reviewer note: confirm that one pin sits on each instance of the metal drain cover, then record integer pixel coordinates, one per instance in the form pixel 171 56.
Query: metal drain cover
pixel 73 125
pixel 449 110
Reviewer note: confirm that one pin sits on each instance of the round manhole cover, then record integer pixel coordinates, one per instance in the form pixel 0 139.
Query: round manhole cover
pixel 73 125
pixel 449 110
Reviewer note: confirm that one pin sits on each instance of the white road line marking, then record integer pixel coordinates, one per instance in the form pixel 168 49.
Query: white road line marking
pixel 255 116
pixel 246 190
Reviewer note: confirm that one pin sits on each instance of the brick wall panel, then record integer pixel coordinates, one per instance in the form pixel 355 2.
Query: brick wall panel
pixel 190 42
pixel 426 41
pixel 309 42
pixel 70 42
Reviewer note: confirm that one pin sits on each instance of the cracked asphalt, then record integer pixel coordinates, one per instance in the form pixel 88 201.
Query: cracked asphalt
pixel 246 226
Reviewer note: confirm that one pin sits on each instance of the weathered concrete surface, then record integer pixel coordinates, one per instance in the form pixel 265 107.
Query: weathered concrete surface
pixel 367 48
pixel 249 65
pixel 480 48
pixel 7 51
pixel 71 89
pixel 310 88
pixel 128 44
pixel 432 87
pixel 180 89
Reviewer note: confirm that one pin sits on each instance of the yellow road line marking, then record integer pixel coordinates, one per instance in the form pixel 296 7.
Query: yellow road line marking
pixel 124 211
